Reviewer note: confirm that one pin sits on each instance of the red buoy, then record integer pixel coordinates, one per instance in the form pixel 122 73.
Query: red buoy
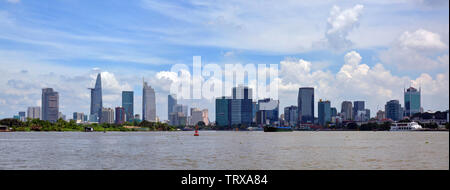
pixel 196 131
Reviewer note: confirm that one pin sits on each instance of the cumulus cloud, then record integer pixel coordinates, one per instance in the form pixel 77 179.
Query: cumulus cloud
pixel 421 49
pixel 339 24
pixel 358 81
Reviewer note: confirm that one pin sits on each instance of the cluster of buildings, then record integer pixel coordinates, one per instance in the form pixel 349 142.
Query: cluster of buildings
pixel 237 110
pixel 241 110
pixel 49 110
pixel 178 113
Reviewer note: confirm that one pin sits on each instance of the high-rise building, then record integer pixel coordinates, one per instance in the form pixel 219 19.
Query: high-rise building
pixel 120 115
pixel 50 105
pixel 358 106
pixel 171 102
pixel 412 101
pixel 236 111
pixel 34 112
pixel 128 104
pixel 198 115
pixel 22 116
pixel 393 110
pixel 96 100
pixel 78 117
pixel 223 111
pixel 306 105
pixel 367 114
pixel 333 112
pixel 268 111
pixel 347 110
pixel 242 96
pixel 291 115
pixel 324 109
pixel 148 103
pixel 181 108
pixel 380 115
pixel 107 115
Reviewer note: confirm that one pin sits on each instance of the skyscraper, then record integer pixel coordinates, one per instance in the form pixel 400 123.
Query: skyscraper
pixel 347 110
pixel 96 100
pixel 50 105
pixel 306 105
pixel 171 102
pixel 78 117
pixel 22 116
pixel 333 112
pixel 128 104
pixel 393 110
pixel 223 111
pixel 120 115
pixel 412 101
pixel 241 105
pixel 324 109
pixel 107 115
pixel 291 115
pixel 358 106
pixel 268 111
pixel 34 112
pixel 148 103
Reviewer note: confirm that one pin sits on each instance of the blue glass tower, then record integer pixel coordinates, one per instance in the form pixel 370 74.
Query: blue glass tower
pixel 128 104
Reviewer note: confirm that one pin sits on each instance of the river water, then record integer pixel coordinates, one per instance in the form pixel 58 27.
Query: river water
pixel 224 150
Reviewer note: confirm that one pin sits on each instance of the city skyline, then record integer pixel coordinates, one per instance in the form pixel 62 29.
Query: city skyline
pixel 355 57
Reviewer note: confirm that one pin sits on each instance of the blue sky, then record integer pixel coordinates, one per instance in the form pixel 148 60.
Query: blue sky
pixel 62 44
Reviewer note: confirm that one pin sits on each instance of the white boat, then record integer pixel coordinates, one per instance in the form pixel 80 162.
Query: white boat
pixel 411 126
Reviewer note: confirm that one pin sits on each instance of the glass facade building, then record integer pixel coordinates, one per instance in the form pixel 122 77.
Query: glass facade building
pixel 50 105
pixel 412 101
pixel 96 99
pixel 393 110
pixel 306 105
pixel 128 104
pixel 223 111
pixel 324 112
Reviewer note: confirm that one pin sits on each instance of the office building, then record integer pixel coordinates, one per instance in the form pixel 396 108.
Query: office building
pixel 128 104
pixel 267 112
pixel 393 110
pixel 50 105
pixel 120 115
pixel 198 115
pixel 324 112
pixel 22 116
pixel 107 116
pixel 34 112
pixel 96 100
pixel 358 106
pixel 412 101
pixel 171 102
pixel 291 115
pixel 223 111
pixel 148 103
pixel 347 110
pixel 306 105
pixel 78 117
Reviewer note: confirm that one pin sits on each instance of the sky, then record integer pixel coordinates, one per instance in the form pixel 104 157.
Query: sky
pixel 347 50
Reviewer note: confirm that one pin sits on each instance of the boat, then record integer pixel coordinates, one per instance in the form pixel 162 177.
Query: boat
pixel 277 129
pixel 411 126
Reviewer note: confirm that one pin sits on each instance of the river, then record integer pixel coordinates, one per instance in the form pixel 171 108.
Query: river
pixel 298 150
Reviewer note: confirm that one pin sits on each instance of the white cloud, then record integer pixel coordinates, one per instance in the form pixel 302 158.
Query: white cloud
pixel 418 50
pixel 339 24
pixel 357 81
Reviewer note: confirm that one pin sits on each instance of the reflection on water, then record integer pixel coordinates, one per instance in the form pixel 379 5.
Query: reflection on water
pixel 224 150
